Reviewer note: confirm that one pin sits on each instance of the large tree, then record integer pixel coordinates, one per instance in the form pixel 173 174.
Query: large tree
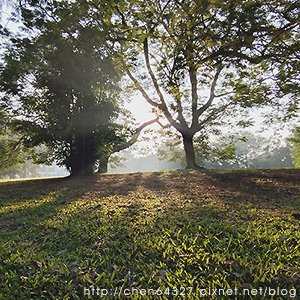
pixel 197 61
pixel 60 82
pixel 62 79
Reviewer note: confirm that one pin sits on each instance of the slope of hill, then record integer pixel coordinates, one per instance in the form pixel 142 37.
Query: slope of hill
pixel 168 233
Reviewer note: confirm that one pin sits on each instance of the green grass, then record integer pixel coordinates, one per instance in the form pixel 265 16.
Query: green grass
pixel 217 229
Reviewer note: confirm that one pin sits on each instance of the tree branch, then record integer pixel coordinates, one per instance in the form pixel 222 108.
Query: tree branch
pixel 135 136
pixel 151 73
pixel 213 115
pixel 162 105
pixel 202 109
pixel 194 93
pixel 141 89
pixel 163 126
pixel 224 94
pixel 12 149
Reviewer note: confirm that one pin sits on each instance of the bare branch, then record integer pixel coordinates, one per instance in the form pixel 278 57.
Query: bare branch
pixel 224 94
pixel 202 109
pixel 135 136
pixel 162 105
pixel 141 89
pixel 194 92
pixel 213 115
pixel 151 73
pixel 164 126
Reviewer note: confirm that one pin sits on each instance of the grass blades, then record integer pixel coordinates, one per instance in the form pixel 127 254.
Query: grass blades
pixel 167 231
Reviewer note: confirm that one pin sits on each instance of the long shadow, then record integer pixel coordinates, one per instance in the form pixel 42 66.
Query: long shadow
pixel 114 184
pixel 104 240
pixel 122 251
pixel 30 202
pixel 154 182
pixel 24 204
pixel 262 188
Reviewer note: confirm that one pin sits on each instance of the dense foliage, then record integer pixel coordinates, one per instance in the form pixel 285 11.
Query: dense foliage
pixel 198 64
pixel 63 84
pixel 12 152
pixel 207 60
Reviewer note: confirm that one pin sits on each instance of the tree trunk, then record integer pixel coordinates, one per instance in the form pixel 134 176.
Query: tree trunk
pixel 103 164
pixel 82 161
pixel 189 152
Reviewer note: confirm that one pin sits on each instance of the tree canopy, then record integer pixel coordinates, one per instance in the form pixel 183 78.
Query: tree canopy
pixel 197 61
pixel 63 85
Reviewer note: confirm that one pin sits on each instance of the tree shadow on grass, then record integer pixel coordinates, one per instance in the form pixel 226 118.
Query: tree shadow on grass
pixel 145 230
pixel 29 202
pixel 24 203
pixel 154 182
pixel 268 189
pixel 229 252
pixel 113 184
pixel 185 243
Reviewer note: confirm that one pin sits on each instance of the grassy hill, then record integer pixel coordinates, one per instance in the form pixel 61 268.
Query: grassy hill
pixel 168 231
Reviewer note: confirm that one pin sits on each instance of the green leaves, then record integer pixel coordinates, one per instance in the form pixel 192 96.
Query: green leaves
pixel 63 82
pixel 187 42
